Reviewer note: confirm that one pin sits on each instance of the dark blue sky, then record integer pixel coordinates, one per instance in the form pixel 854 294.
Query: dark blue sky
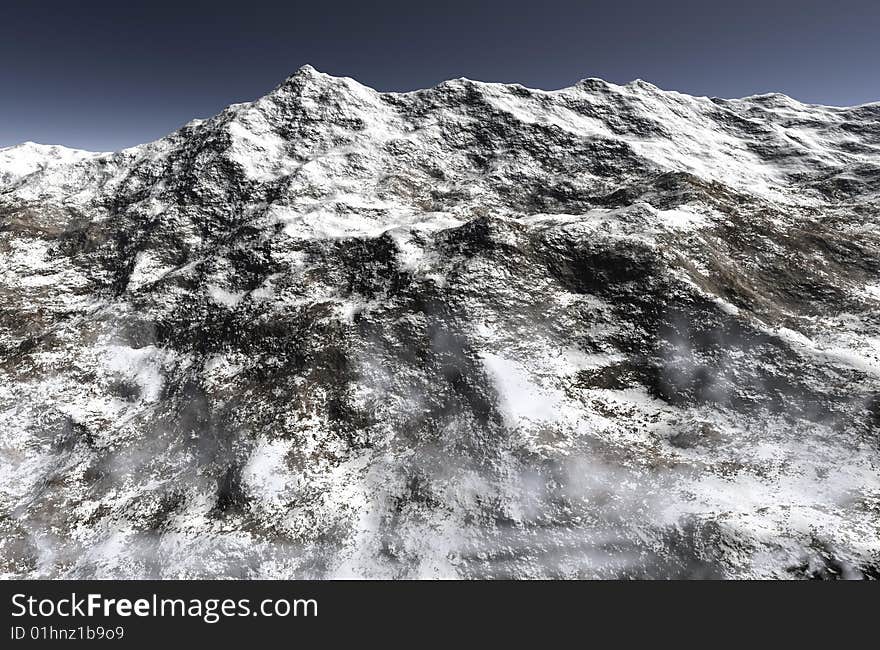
pixel 108 74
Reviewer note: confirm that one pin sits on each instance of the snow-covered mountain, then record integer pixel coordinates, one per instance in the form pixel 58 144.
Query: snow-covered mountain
pixel 478 330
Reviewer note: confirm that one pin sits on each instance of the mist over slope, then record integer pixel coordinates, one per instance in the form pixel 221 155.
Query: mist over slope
pixel 477 330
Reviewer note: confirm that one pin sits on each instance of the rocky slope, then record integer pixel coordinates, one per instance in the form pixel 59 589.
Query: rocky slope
pixel 477 330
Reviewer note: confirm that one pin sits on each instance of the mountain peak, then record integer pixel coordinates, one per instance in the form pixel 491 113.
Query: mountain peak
pixel 307 71
pixel 308 74
pixel 23 159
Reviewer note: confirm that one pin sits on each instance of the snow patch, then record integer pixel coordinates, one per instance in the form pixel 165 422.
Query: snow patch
pixel 521 400
pixel 148 268
pixel 265 473
pixel 142 365
pixel 225 297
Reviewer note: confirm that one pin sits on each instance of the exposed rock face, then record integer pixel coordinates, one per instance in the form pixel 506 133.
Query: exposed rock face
pixel 477 330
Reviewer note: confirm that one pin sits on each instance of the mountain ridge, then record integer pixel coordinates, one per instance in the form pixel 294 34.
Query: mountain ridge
pixel 312 71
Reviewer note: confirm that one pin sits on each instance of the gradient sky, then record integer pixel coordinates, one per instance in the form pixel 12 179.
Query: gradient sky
pixel 108 74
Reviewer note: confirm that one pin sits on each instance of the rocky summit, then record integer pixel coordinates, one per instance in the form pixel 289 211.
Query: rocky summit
pixel 473 331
